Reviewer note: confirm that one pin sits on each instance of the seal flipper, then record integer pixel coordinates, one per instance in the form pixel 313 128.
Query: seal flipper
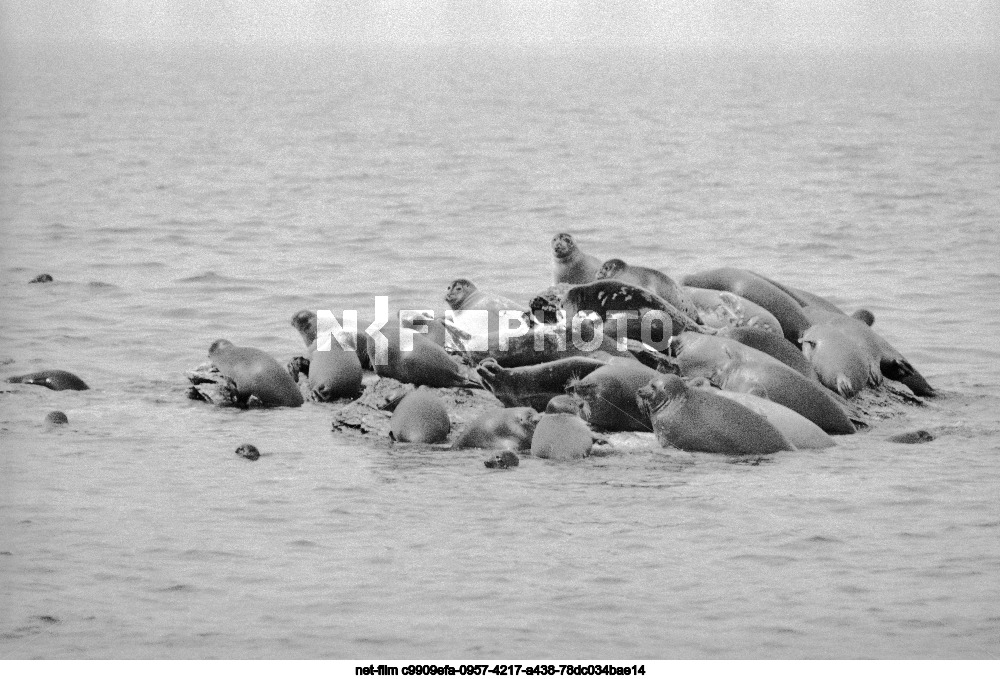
pixel 901 370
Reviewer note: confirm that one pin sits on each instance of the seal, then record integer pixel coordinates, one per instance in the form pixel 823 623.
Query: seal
pixel 865 316
pixel 504 460
pixel 758 290
pixel 609 396
pixel 565 403
pixel 697 420
pixel 655 281
pixel 56 417
pixel 420 417
pixel 891 363
pixel 607 297
pixel 799 431
pixel 561 436
pixel 775 346
pixel 335 373
pixel 507 429
pixel 721 309
pixel 41 278
pixel 56 380
pixel 771 379
pixel 254 373
pixel 542 343
pixel 427 364
pixel 842 364
pixel 918 436
pixel 463 295
pixel 249 451
pixel 572 265
pixel 534 386
pixel 305 323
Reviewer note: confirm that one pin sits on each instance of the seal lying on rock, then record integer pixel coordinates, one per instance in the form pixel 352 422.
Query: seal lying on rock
pixel 534 386
pixel 655 281
pixel 605 298
pixel 698 420
pixel 420 417
pixel 254 373
pixel 758 290
pixel 56 380
pixel 722 309
pixel 610 396
pixel 425 364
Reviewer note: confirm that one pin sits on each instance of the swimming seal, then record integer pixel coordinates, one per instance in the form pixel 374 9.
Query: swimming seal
pixel 56 380
pixel 698 420
pixel 655 281
pixel 426 364
pixel 254 373
pixel 420 417
pixel 504 460
pixel 56 417
pixel 249 451
pixel 722 309
pixel 607 297
pixel 507 429
pixel 609 395
pixel 758 290
pixel 534 386
pixel 561 436
pixel 41 278
pixel 571 264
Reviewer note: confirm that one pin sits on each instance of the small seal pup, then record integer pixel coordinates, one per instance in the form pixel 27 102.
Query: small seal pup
pixel 561 436
pixel 650 279
pixel 254 373
pixel 697 420
pixel 56 380
pixel 571 264
pixel 420 417
pixel 507 429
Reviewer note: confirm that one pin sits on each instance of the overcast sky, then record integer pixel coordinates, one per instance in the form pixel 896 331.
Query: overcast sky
pixel 795 24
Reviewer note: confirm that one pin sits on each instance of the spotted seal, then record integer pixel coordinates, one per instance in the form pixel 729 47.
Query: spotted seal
pixel 572 265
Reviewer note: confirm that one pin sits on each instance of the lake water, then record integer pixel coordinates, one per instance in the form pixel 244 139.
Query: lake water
pixel 177 198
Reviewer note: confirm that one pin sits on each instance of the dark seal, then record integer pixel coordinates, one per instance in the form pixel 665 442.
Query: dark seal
pixel 56 380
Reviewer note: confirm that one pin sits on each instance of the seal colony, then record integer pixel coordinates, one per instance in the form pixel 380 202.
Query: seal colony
pixel 613 355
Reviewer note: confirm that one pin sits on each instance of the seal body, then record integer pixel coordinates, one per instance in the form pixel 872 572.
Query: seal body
pixel 776 381
pixel 773 345
pixel 758 290
pixel 335 373
pixel 463 295
pixel 56 417
pixel 891 363
pixel 655 281
pixel 609 394
pixel 426 364
pixel 255 373
pixel 305 322
pixel 699 420
pixel 507 429
pixel 571 264
pixel 561 436
pixel 722 309
pixel 606 297
pixel 504 460
pixel 843 365
pixel 56 380
pixel 420 417
pixel 542 343
pixel 799 431
pixel 534 386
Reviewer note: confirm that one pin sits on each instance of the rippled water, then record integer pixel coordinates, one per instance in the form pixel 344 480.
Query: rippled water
pixel 179 198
